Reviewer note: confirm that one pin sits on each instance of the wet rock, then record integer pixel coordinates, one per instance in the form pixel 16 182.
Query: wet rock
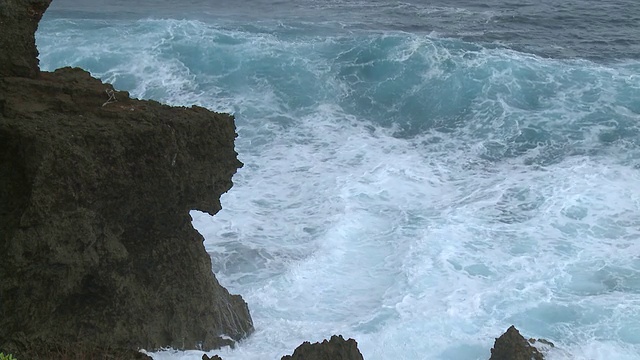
pixel 337 348
pixel 542 342
pixel 214 357
pixel 95 193
pixel 513 346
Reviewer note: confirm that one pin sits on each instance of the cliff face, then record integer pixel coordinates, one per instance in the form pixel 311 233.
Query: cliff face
pixel 95 234
pixel 18 23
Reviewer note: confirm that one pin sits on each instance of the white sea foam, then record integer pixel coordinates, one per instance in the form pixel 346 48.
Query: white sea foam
pixel 416 254
pixel 421 247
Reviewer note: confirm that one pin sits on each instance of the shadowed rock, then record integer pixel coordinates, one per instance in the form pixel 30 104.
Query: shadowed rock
pixel 79 352
pixel 337 348
pixel 18 24
pixel 95 234
pixel 513 346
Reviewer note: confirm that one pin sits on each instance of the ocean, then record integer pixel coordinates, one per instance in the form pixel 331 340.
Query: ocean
pixel 419 175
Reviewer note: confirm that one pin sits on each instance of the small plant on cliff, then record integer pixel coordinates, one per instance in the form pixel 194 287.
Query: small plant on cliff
pixel 6 357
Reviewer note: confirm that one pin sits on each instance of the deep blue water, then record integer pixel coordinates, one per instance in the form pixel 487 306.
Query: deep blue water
pixel 418 175
pixel 588 29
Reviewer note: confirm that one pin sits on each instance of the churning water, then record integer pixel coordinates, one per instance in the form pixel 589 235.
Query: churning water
pixel 417 176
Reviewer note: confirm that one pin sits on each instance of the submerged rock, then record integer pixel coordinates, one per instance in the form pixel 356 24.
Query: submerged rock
pixel 337 348
pixel 95 192
pixel 513 346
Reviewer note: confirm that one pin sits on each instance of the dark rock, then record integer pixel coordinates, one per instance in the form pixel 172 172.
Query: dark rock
pixel 335 349
pixel 95 229
pixel 95 233
pixel 79 352
pixel 18 24
pixel 214 357
pixel 544 342
pixel 513 346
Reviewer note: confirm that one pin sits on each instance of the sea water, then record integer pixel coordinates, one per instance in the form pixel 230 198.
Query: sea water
pixel 418 176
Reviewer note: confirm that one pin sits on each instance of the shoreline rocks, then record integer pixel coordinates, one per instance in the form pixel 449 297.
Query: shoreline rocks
pixel 337 348
pixel 513 346
pixel 95 194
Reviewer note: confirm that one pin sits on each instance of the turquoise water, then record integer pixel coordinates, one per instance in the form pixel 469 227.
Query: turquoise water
pixel 414 190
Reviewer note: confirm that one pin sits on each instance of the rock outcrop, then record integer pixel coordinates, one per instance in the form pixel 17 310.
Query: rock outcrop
pixel 95 234
pixel 337 348
pixel 513 346
pixel 214 357
pixel 18 23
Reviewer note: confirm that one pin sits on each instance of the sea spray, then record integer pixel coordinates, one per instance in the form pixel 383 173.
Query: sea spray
pixel 418 193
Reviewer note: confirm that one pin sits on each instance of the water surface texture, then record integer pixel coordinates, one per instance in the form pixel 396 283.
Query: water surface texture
pixel 418 175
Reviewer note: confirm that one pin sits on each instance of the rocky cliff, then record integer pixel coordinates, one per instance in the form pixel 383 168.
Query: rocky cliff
pixel 18 24
pixel 95 191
